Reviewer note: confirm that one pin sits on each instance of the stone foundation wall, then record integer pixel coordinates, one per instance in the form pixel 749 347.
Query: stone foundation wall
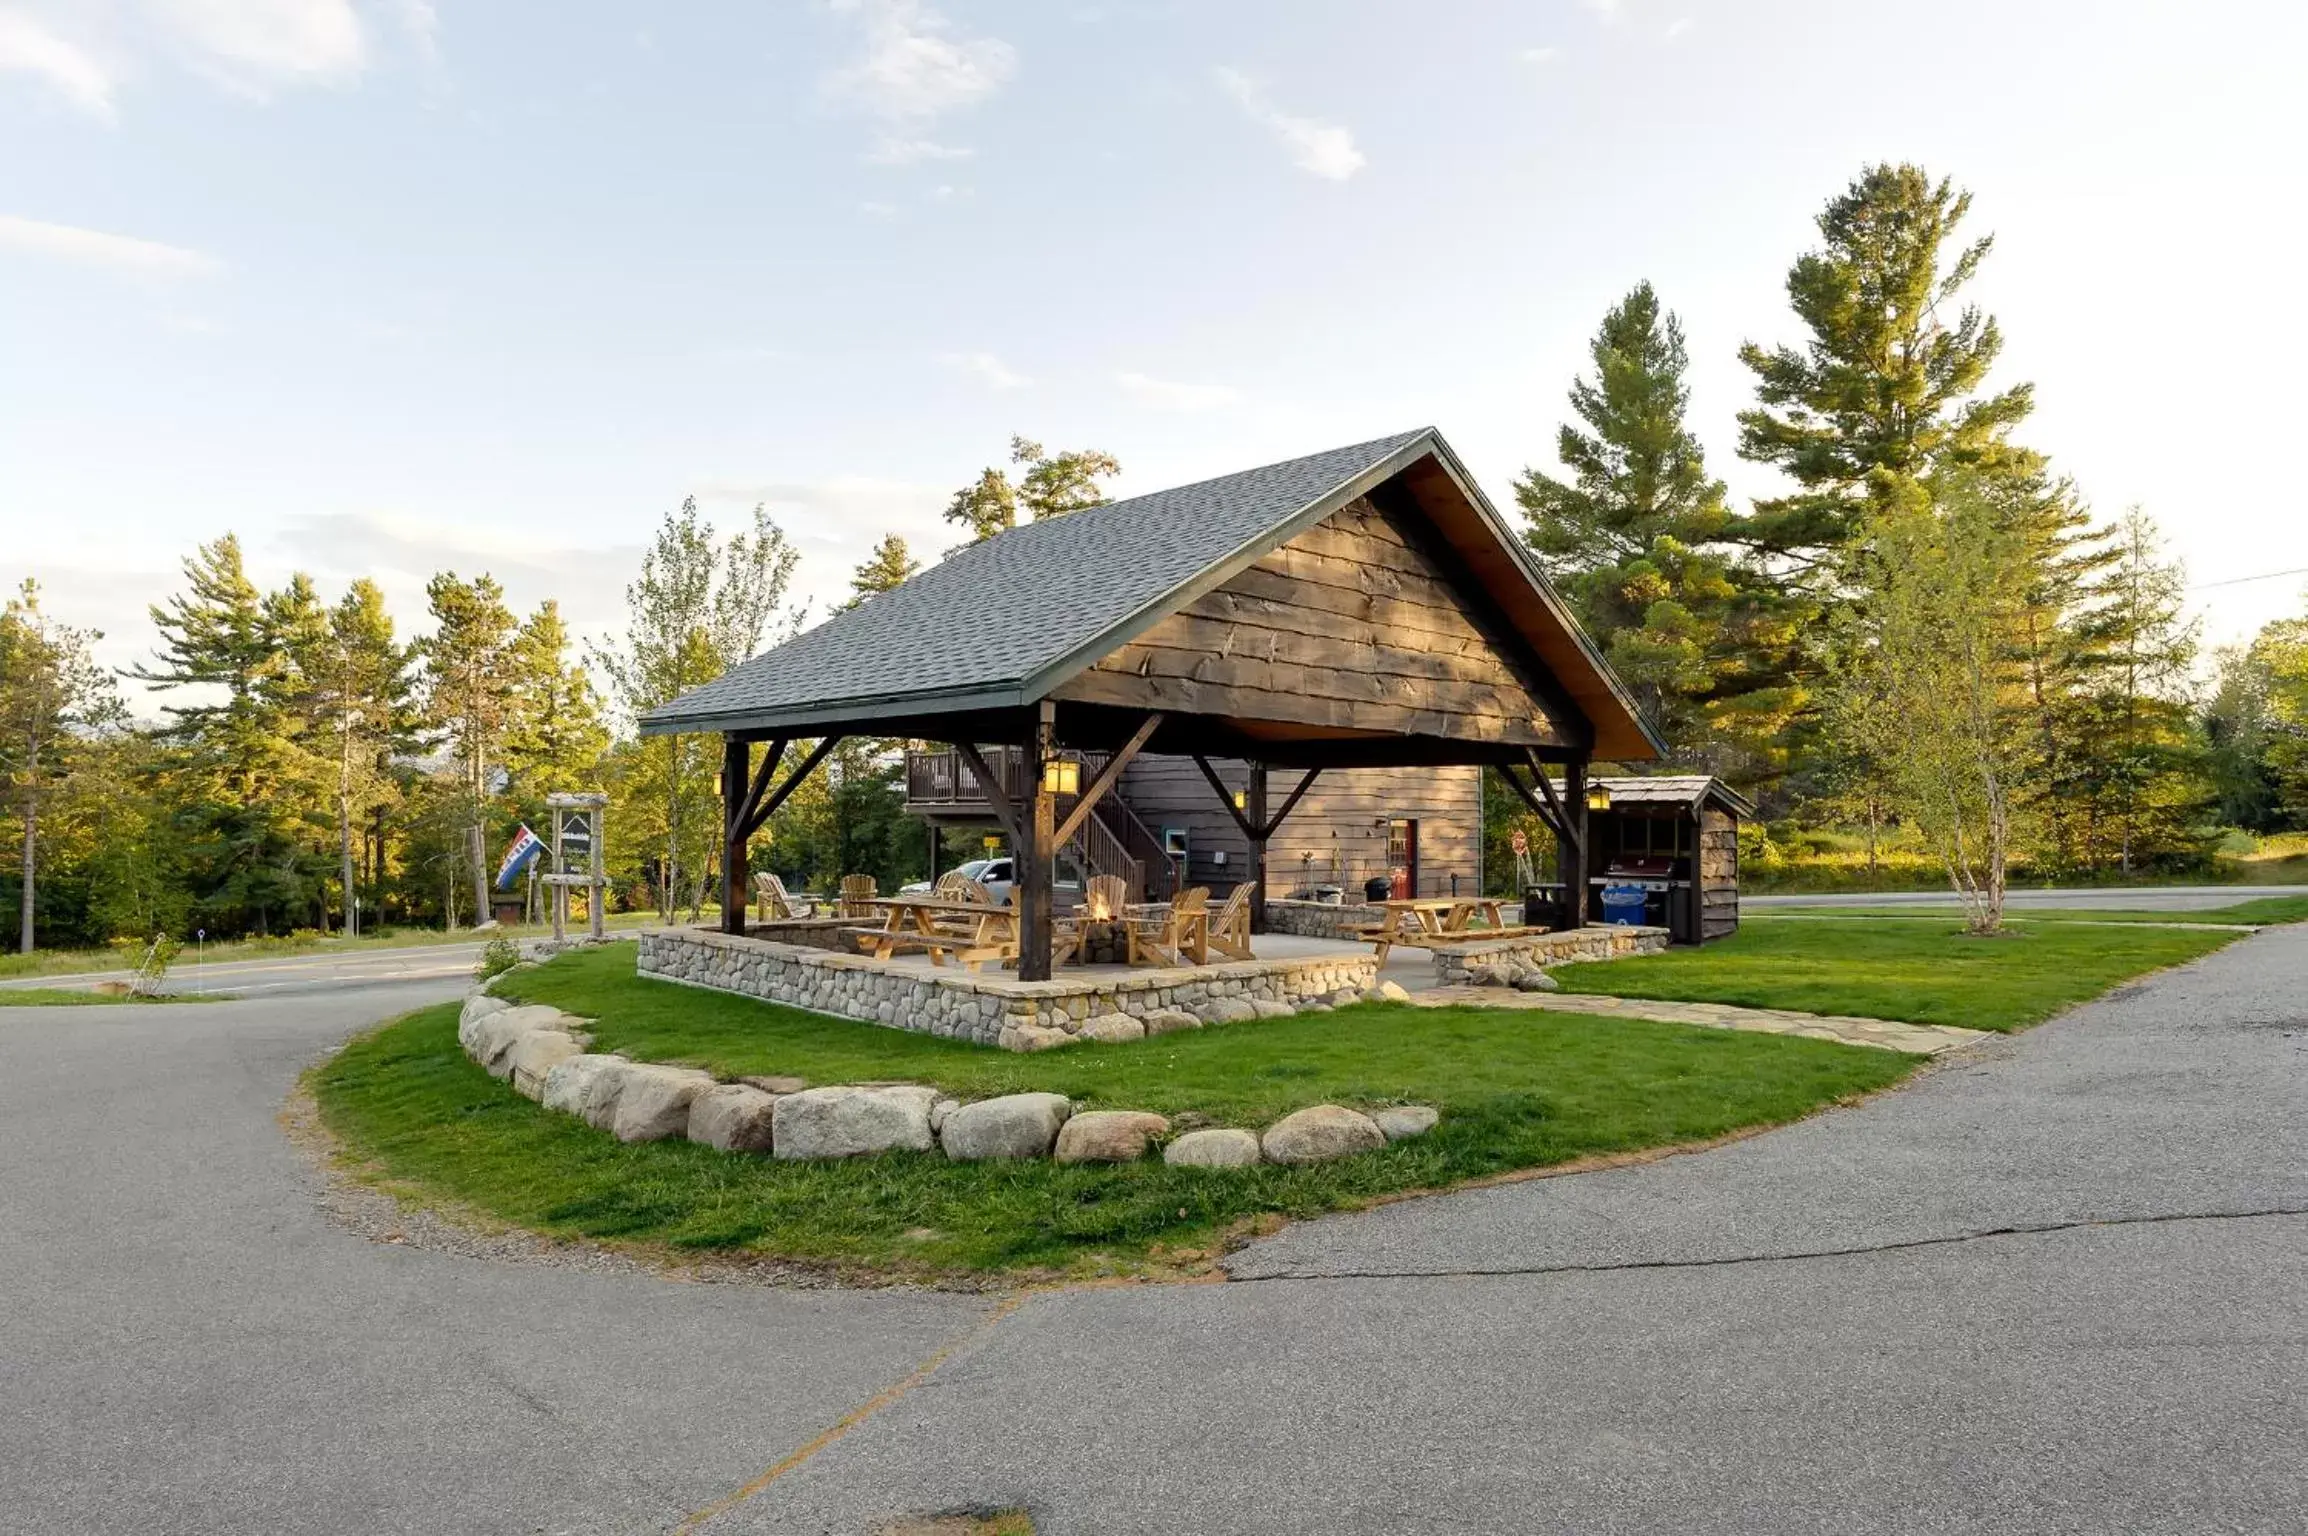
pixel 991 1009
pixel 808 932
pixel 1452 962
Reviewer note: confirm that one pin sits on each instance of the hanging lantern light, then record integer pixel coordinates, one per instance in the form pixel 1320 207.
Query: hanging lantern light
pixel 1598 797
pixel 1062 776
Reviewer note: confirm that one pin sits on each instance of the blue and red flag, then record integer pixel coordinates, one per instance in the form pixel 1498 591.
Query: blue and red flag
pixel 519 854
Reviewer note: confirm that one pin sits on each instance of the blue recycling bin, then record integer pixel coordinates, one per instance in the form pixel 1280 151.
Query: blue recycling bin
pixel 1625 905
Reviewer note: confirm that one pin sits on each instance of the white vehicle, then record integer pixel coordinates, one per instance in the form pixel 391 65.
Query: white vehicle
pixel 999 875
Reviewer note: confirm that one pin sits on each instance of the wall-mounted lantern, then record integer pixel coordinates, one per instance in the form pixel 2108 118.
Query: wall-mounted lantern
pixel 1062 776
pixel 1598 798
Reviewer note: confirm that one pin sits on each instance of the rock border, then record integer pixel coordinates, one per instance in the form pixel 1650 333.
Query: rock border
pixel 544 1054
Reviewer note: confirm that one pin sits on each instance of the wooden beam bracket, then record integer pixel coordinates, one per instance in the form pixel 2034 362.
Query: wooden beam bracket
pixel 765 808
pixel 1248 827
pixel 997 798
pixel 1106 779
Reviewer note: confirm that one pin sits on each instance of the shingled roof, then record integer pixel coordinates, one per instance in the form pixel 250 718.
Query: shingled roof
pixel 1000 623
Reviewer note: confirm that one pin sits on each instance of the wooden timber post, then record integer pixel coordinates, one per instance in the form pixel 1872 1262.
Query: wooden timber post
pixel 1037 849
pixel 1260 832
pixel 736 779
pixel 1571 849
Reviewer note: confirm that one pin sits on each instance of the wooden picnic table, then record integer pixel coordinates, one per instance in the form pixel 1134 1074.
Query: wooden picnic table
pixel 912 922
pixel 1419 921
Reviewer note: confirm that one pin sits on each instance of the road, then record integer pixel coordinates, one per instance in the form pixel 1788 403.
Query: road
pixel 2140 898
pixel 2060 1285
pixel 311 972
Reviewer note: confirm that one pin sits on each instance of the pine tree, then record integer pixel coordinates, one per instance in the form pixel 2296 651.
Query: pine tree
pixel 469 699
pixel 1881 393
pixel 555 738
pixel 52 697
pixel 2141 788
pixel 1701 637
pixel 236 755
pixel 1053 485
pixel 365 709
pixel 883 571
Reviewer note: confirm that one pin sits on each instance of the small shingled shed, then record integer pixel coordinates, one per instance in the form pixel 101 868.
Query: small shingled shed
pixel 1676 837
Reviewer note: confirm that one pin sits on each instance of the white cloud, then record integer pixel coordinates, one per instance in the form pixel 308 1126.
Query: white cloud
pixel 1164 395
pixel 253 44
pixel 915 67
pixel 989 368
pixel 915 151
pixel 1608 10
pixel 28 47
pixel 1677 28
pixel 91 247
pixel 1321 149
pixel 1540 55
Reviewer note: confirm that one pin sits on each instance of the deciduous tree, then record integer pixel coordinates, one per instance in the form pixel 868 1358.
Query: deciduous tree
pixel 1052 485
pixel 53 695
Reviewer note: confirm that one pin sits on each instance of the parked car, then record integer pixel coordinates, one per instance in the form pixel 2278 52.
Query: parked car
pixel 999 875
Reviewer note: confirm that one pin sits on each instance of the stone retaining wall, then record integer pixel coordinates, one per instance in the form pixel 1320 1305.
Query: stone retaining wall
pixel 1321 919
pixel 991 1009
pixel 1540 950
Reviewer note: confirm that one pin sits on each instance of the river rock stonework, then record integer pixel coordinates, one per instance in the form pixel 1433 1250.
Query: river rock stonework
pixel 987 1009
pixel 1537 950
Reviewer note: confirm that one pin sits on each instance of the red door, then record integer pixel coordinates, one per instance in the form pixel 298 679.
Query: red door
pixel 1402 859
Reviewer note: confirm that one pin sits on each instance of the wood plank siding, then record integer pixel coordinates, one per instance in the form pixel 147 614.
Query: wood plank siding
pixel 1718 874
pixel 1337 835
pixel 1349 626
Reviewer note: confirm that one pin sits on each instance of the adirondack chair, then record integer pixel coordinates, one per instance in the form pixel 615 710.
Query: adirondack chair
pixel 960 887
pixel 1104 897
pixel 1173 932
pixel 856 892
pixel 1230 924
pixel 771 903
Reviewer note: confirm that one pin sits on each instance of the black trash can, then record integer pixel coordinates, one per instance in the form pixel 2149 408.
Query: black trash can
pixel 1377 888
pixel 1543 907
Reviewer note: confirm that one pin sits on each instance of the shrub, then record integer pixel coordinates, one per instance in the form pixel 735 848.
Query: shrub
pixel 498 956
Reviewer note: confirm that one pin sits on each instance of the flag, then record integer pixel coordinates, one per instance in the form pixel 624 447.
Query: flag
pixel 525 847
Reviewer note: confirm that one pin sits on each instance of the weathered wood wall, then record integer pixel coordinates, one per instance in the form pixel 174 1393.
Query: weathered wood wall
pixel 1350 625
pixel 1335 835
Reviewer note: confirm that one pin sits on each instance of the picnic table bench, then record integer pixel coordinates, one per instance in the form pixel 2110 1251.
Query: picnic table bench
pixel 968 932
pixel 1429 922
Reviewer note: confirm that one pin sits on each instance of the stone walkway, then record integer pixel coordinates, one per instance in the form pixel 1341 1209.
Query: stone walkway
pixel 1917 1039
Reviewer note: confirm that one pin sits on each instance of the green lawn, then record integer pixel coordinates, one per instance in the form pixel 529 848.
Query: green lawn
pixel 2266 909
pixel 1923 970
pixel 65 997
pixel 1518 1090
pixel 124 957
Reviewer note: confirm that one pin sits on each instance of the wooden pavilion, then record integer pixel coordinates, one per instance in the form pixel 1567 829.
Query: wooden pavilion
pixel 1364 607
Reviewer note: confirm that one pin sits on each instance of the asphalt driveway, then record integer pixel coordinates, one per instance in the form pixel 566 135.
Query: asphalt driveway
pixel 2061 1285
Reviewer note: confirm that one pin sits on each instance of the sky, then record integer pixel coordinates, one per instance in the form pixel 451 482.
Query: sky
pixel 392 286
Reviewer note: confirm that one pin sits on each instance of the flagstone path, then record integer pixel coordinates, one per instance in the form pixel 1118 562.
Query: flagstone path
pixel 1885 1034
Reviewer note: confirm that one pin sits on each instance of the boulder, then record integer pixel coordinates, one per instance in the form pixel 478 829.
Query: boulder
pixel 570 1082
pixel 1489 976
pixel 1170 1020
pixel 1229 1010
pixel 1386 992
pixel 477 1007
pixel 1271 1008
pixel 1402 1121
pixel 1316 1008
pixel 1033 1037
pixel 732 1117
pixel 534 1055
pixel 654 1103
pixel 494 1036
pixel 1108 1136
pixel 601 1095
pixel 1319 1134
pixel 853 1121
pixel 939 1113
pixel 1015 1125
pixel 1536 981
pixel 1113 1029
pixel 1213 1149
pixel 1345 997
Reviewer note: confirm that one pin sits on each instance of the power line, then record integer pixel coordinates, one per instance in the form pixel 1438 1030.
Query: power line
pixel 2235 581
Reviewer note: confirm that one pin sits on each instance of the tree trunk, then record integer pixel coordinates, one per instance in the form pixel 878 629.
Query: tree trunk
pixel 479 851
pixel 31 837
